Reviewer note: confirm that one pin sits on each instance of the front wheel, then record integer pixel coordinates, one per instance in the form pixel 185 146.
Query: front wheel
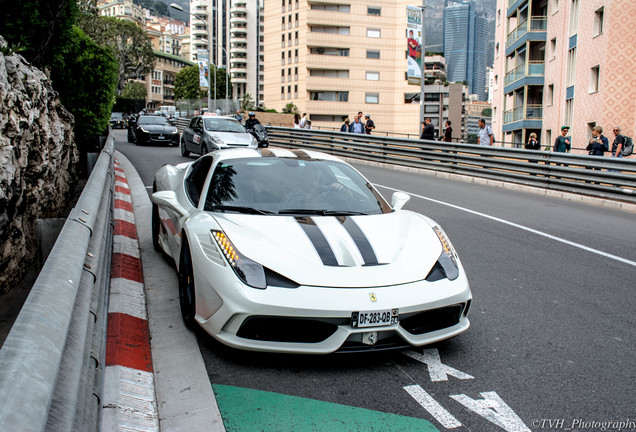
pixel 184 152
pixel 186 287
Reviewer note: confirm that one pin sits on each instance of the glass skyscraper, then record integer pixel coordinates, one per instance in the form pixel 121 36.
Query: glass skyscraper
pixel 465 43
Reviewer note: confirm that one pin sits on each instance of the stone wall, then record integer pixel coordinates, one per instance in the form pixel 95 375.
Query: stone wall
pixel 38 161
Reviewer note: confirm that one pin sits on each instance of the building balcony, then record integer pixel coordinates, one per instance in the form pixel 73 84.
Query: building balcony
pixel 238 51
pixel 537 24
pixel 535 68
pixel 238 70
pixel 238 39
pixel 238 8
pixel 237 19
pixel 529 112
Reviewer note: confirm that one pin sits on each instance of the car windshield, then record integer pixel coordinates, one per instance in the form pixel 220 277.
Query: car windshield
pixel 291 187
pixel 218 124
pixel 153 120
pixel 116 116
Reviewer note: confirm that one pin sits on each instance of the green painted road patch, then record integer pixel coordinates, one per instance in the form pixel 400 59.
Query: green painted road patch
pixel 247 410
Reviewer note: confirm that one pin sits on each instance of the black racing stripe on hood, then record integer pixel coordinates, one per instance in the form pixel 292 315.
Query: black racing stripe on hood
pixel 301 154
pixel 361 241
pixel 318 239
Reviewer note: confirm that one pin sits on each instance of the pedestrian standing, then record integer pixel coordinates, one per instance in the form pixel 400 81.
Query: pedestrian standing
pixel 303 121
pixel 428 130
pixel 533 142
pixel 356 126
pixel 562 143
pixel 368 125
pixel 238 116
pixel 448 132
pixel 598 144
pixel 296 123
pixel 486 137
pixel 345 125
pixel 619 142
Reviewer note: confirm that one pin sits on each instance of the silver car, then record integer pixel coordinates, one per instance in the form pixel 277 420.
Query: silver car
pixel 207 133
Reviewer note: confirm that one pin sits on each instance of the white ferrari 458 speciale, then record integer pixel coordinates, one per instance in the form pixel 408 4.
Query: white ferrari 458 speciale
pixel 295 251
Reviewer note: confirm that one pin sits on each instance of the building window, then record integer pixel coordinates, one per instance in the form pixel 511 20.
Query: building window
pixel 329 73
pixel 569 112
pixel 375 11
pixel 373 54
pixel 330 29
pixel 331 96
pixel 570 74
pixel 331 8
pixel 553 48
pixel 344 52
pixel 555 6
pixel 373 33
pixel 574 17
pixel 549 96
pixel 598 21
pixel 372 98
pixel 595 79
pixel 373 76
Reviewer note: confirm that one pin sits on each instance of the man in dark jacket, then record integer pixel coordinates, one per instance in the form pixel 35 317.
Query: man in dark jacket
pixel 428 130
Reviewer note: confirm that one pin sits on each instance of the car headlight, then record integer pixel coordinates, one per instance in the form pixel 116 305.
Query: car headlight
pixel 254 142
pixel 250 272
pixel 448 258
pixel 175 130
pixel 143 130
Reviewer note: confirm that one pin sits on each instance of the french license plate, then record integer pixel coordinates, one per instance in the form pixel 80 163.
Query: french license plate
pixel 374 318
pixel 162 137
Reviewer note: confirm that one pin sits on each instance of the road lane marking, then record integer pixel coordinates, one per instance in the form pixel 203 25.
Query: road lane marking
pixel 445 418
pixel 522 227
pixel 495 410
pixel 436 369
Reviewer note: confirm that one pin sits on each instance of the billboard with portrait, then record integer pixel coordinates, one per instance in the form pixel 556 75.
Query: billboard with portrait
pixel 414 44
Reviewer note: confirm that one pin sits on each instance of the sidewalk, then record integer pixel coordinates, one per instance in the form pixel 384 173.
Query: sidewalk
pixel 183 394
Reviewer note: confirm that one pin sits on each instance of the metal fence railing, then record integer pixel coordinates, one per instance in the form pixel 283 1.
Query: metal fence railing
pixel 601 177
pixel 51 362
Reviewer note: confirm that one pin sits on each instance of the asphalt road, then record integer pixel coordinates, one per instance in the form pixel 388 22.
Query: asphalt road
pixel 552 338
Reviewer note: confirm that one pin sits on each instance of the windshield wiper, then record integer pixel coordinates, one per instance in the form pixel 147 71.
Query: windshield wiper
pixel 241 209
pixel 321 212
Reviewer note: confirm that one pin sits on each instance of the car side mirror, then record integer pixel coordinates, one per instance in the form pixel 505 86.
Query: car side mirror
pixel 399 199
pixel 168 199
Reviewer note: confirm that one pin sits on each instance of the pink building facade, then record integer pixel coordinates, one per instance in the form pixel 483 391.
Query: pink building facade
pixel 564 62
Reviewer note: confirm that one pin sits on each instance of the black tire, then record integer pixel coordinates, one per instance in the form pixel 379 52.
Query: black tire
pixel 187 299
pixel 184 152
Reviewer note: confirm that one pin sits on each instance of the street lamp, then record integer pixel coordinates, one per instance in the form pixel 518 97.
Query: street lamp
pixel 207 26
pixel 226 75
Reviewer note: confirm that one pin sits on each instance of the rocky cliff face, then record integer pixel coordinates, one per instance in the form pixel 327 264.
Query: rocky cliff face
pixel 38 161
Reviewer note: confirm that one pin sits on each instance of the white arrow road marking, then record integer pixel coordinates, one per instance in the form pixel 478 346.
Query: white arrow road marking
pixel 495 410
pixel 437 370
pixel 445 418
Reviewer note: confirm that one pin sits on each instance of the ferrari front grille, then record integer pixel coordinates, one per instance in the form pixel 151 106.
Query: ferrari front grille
pixel 288 329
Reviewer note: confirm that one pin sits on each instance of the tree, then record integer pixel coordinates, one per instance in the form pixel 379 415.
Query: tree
pixel 39 29
pixel 486 112
pixel 186 84
pixel 290 108
pixel 247 103
pixel 221 76
pixel 134 90
pixel 85 74
pixel 129 43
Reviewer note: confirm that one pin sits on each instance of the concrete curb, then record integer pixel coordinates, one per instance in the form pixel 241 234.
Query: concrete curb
pixel 183 393
pixel 129 401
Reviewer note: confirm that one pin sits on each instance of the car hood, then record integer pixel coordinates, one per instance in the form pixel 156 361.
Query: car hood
pixel 233 138
pixel 159 128
pixel 346 251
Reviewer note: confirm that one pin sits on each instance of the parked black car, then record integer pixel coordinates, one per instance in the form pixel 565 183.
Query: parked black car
pixel 151 129
pixel 117 120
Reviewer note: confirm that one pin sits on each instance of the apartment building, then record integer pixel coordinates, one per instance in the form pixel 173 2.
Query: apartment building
pixel 334 59
pixel 564 62
pixel 122 9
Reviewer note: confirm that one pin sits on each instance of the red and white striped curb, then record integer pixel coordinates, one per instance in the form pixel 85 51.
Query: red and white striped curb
pixel 129 400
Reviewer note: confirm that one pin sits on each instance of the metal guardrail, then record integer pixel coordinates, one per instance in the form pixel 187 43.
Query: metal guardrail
pixel 52 361
pixel 595 176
